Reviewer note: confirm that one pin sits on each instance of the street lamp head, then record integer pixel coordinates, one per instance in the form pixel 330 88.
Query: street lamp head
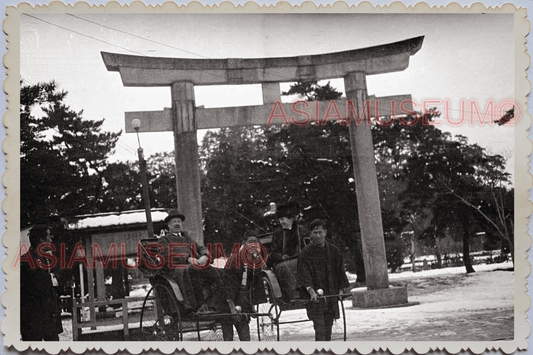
pixel 136 124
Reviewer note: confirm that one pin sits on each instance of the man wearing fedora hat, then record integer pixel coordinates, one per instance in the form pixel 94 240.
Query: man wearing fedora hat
pixel 187 263
pixel 287 243
pixel 176 235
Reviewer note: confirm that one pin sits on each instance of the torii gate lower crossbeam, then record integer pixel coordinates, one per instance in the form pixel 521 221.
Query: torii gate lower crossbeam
pixel 182 74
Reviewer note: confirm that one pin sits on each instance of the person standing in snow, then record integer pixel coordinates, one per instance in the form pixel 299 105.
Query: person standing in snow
pixel 320 266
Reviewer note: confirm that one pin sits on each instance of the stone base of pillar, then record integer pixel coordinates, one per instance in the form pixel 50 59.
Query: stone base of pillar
pixel 381 298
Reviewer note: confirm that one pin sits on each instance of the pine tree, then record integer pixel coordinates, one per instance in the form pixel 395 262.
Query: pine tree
pixel 62 156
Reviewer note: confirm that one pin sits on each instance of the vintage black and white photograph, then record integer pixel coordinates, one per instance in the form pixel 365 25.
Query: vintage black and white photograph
pixel 333 180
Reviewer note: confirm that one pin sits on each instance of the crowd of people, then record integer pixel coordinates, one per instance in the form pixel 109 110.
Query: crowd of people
pixel 306 266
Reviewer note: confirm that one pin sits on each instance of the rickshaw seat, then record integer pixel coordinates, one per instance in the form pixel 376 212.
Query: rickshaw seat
pixel 167 280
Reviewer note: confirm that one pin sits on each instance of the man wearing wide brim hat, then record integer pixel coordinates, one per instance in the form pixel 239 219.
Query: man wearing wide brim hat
pixel 289 240
pixel 287 243
pixel 174 214
pixel 179 250
pixel 193 253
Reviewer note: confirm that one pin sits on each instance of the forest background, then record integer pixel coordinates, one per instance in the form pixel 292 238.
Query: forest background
pixel 440 195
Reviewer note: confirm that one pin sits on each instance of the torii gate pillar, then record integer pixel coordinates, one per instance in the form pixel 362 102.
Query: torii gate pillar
pixel 368 202
pixel 186 157
pixel 377 292
pixel 184 119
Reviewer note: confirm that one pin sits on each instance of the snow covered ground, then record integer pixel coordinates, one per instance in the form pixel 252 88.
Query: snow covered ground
pixel 452 306
pixel 449 271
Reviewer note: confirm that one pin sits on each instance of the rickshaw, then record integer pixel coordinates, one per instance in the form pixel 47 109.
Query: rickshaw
pixel 268 300
pixel 164 317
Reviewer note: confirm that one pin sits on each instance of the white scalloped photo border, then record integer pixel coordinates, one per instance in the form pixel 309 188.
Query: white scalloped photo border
pixel 11 179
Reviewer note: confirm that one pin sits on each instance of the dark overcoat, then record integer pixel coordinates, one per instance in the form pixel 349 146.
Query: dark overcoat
pixel 40 313
pixel 178 267
pixel 289 242
pixel 322 268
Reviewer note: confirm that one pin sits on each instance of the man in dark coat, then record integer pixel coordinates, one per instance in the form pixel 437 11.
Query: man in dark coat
pixel 40 313
pixel 187 263
pixel 237 287
pixel 320 266
pixel 287 243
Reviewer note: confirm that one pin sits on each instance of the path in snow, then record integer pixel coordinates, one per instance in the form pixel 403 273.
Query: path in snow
pixel 452 306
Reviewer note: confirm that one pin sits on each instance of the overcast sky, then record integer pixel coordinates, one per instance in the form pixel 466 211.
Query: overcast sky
pixel 467 57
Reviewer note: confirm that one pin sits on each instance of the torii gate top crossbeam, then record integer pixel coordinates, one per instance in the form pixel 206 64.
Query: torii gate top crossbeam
pixel 158 71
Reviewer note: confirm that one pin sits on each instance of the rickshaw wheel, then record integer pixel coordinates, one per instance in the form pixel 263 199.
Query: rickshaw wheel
pixel 160 317
pixel 338 331
pixel 268 326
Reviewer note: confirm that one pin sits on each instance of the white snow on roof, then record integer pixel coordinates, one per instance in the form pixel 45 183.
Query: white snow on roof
pixel 115 219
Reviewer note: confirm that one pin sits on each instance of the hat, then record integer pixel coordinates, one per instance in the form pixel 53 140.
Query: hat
pixel 290 210
pixel 174 214
pixel 250 233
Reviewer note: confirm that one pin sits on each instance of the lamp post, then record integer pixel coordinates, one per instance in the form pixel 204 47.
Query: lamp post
pixel 136 124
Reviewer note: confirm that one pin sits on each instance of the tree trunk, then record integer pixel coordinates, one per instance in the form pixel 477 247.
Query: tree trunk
pixel 466 245
pixel 413 250
pixel 511 249
pixel 439 259
pixel 437 253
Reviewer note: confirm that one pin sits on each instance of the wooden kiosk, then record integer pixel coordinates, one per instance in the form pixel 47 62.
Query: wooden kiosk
pixel 108 295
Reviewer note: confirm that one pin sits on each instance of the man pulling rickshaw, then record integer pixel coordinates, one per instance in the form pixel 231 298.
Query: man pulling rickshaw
pixel 227 296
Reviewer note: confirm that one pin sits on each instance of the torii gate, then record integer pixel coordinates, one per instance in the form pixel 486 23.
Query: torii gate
pixel 184 119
